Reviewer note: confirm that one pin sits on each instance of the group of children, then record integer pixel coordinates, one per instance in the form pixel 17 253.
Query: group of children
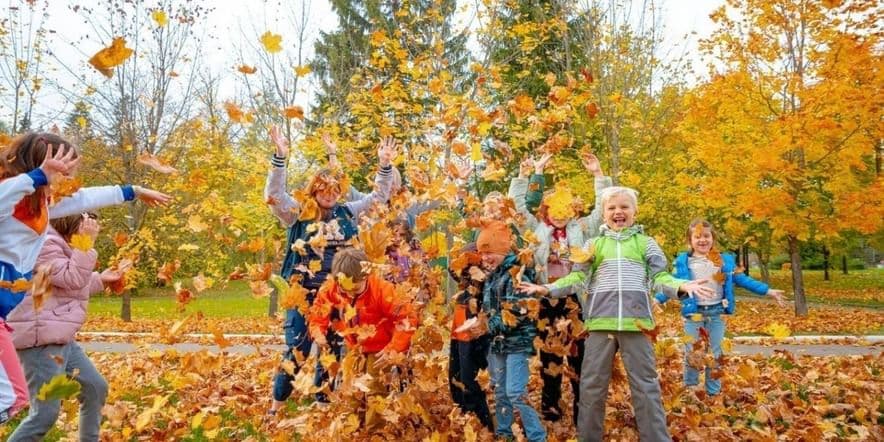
pixel 48 237
pixel 590 307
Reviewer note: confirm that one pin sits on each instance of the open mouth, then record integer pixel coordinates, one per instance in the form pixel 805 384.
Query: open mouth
pixel 619 220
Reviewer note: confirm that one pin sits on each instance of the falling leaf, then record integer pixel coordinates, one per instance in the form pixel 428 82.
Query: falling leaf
pixel 110 57
pixel 160 17
pixel 65 187
pixel 345 281
pixel 246 69
pixel 293 112
pixel 41 286
pixel 579 255
pixel 59 387
pixel 155 163
pixel 302 71
pixel 272 42
pixel 374 242
pixel 165 272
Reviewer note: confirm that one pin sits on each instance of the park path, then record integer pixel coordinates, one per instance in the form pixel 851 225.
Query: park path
pixel 742 345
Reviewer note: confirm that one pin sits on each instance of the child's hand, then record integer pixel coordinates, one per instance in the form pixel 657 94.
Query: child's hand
pixel 778 295
pixel 88 227
pixel 110 276
pixel 592 163
pixel 480 328
pixel 386 358
pixel 698 288
pixel 57 164
pixel 525 167
pixel 282 145
pixel 532 289
pixel 331 148
pixel 387 151
pixel 540 163
pixel 656 305
pixel 151 197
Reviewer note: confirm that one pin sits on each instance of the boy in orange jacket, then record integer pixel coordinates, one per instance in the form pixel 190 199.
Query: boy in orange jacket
pixel 356 299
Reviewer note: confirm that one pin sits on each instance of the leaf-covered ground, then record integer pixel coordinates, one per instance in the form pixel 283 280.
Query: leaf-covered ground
pixel 200 396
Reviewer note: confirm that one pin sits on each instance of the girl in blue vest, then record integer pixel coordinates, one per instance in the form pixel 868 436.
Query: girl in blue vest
pixel 720 272
pixel 318 225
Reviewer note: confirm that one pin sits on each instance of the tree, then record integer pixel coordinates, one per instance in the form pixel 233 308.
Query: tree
pixel 786 129
pixel 23 49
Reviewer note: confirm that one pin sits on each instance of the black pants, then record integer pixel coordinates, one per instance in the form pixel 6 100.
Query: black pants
pixel 465 360
pixel 552 384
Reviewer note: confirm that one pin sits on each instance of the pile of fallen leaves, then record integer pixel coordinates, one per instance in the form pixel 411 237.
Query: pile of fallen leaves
pixel 170 395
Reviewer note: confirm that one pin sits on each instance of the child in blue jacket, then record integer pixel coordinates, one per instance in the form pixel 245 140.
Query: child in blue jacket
pixel 703 261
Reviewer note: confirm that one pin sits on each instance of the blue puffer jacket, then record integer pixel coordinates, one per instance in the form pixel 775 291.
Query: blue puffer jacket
pixel 728 264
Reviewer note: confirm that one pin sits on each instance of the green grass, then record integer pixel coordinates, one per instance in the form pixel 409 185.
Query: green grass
pixel 233 301
pixel 859 288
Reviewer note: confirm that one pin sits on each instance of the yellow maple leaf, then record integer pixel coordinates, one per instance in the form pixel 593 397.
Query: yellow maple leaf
pixel 314 265
pixel 295 297
pixel 234 112
pixel 777 330
pixel 160 17
pixel 110 57
pixel 579 255
pixel 272 42
pixel 59 387
pixel 345 281
pixel 80 242
pixel 374 242
pixel 560 203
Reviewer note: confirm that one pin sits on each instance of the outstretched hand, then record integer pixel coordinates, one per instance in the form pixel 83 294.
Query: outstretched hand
pixel 591 163
pixel 525 167
pixel 58 162
pixel 778 295
pixel 387 150
pixel 281 143
pixel 151 197
pixel 540 163
pixel 699 289
pixel 532 289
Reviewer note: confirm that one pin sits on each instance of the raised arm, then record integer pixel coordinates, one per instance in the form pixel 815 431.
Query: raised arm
pixel 383 181
pixel 282 205
pixel 590 224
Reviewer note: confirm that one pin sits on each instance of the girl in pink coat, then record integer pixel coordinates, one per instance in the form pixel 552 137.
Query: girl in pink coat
pixel 45 335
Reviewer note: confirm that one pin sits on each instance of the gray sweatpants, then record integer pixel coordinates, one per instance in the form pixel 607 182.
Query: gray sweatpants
pixel 641 370
pixel 40 366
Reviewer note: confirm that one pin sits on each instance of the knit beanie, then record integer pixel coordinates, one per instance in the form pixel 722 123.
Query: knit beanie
pixel 495 237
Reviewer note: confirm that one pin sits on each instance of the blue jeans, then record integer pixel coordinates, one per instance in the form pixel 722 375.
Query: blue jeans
pixel 714 325
pixel 297 339
pixel 509 376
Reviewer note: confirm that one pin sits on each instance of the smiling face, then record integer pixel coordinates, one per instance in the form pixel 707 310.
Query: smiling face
pixel 327 198
pixel 702 240
pixel 491 261
pixel 619 211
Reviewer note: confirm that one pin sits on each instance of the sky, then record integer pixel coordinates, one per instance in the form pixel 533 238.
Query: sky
pixel 232 21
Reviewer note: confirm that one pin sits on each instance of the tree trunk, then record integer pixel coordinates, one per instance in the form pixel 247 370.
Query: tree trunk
pixel 844 264
pixel 825 263
pixel 126 311
pixel 746 259
pixel 797 276
pixel 274 303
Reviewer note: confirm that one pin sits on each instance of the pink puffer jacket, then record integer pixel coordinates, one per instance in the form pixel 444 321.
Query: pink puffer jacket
pixel 64 311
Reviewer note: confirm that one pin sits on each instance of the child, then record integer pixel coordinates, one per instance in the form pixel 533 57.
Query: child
pixel 27 165
pixel 512 343
pixel 703 261
pixel 376 305
pixel 42 335
pixel 618 309
pixel 557 230
pixel 468 349
pixel 314 236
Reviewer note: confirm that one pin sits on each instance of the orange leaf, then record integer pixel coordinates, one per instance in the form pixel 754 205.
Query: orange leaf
pixel 246 69
pixel 110 57
pixel 293 112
